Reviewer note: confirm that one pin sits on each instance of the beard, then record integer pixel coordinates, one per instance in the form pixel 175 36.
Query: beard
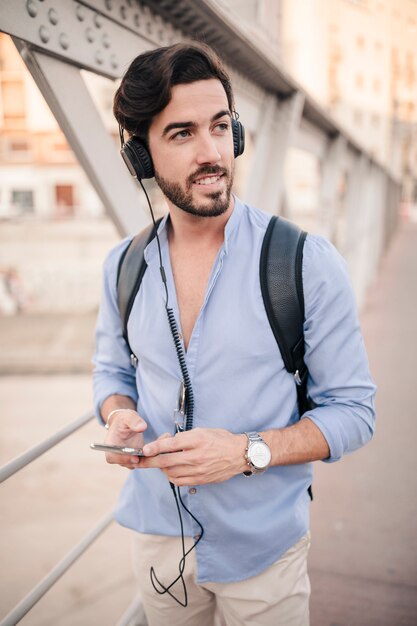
pixel 216 203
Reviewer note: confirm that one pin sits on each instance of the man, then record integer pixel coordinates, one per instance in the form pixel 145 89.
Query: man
pixel 251 560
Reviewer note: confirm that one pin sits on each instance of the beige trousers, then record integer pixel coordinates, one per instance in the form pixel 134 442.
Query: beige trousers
pixel 279 596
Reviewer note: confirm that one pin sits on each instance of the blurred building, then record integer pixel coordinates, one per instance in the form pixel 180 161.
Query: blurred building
pixel 38 172
pixel 358 58
pixel 261 19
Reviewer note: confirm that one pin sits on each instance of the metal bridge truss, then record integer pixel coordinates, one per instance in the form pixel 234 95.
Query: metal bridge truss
pixel 58 38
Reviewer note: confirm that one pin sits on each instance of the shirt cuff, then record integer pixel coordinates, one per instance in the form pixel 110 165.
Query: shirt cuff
pixel 344 429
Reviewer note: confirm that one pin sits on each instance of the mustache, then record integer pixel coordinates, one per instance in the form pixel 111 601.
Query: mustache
pixel 206 170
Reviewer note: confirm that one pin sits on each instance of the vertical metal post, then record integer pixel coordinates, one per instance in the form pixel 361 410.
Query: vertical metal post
pixel 332 169
pixel 276 127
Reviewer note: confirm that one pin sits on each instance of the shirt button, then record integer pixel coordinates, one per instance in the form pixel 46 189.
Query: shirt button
pixel 192 491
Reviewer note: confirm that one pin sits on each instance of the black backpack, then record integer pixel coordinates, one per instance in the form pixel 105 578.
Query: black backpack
pixel 280 270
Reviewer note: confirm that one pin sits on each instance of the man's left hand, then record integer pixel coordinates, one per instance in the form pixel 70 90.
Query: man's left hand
pixel 198 456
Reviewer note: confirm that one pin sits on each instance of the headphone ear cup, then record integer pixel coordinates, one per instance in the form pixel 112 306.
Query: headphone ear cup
pixel 238 137
pixel 137 158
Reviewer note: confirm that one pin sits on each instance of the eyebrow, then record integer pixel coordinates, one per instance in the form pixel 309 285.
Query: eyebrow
pixel 173 125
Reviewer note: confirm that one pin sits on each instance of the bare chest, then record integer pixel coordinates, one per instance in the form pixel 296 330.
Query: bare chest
pixel 191 277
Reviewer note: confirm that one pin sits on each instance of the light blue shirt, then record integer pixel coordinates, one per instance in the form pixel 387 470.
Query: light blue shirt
pixel 239 383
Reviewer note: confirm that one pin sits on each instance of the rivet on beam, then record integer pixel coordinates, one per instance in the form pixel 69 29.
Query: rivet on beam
pixel 64 41
pixel 114 62
pixel 98 20
pixel 31 8
pixel 53 17
pixel 106 40
pixel 80 13
pixel 44 34
pixel 99 57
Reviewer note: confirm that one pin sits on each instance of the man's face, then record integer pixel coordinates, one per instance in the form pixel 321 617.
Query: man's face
pixel 191 144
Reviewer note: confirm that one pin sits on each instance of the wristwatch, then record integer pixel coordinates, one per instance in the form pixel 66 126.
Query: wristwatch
pixel 258 454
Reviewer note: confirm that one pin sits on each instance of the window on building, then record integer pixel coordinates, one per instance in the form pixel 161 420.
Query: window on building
pixel 19 145
pixel 64 197
pixel 377 85
pixel 22 199
pixel 17 149
pixel 360 42
pixel 61 146
pixel 410 70
pixel 13 100
pixel 410 112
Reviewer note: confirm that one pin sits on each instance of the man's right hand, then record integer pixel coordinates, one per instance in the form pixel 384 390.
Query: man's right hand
pixel 125 429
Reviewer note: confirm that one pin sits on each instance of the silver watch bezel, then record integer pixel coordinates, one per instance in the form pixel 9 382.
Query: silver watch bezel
pixel 254 439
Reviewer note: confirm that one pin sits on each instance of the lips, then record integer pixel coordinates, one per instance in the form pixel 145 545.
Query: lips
pixel 208 180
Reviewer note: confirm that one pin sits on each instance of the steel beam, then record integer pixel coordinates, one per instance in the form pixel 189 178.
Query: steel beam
pixel 311 138
pixel 69 100
pixel 277 125
pixel 333 165
pixel 91 35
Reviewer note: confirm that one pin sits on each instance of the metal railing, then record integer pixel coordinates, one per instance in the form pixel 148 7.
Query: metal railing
pixel 134 615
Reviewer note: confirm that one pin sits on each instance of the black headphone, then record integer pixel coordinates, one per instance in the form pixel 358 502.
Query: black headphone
pixel 139 161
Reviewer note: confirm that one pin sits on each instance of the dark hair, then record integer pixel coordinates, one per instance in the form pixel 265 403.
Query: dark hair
pixel 146 86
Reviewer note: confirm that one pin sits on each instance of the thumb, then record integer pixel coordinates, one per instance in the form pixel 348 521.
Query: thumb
pixel 135 422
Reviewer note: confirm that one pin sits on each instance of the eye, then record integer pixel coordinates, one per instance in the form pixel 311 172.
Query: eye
pixel 222 127
pixel 181 134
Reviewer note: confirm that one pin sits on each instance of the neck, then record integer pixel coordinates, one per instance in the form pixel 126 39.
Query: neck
pixel 188 229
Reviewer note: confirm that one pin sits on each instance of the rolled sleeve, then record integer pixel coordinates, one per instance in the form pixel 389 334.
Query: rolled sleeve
pixel 339 380
pixel 113 372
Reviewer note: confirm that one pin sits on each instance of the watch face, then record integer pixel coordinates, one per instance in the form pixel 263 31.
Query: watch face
pixel 260 455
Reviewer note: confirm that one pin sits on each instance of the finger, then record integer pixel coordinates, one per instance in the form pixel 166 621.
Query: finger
pixel 134 421
pixel 123 459
pixel 163 461
pixel 164 445
pixel 127 421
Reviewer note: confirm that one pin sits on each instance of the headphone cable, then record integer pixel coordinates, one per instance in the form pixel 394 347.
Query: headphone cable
pixel 189 413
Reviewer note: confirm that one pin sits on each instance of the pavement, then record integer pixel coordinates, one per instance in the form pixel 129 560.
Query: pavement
pixel 46 344
pixel 363 559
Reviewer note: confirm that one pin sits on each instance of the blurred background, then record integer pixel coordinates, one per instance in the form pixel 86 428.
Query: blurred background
pixel 327 91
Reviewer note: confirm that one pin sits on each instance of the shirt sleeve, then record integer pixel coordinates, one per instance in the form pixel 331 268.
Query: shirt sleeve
pixel 339 379
pixel 113 372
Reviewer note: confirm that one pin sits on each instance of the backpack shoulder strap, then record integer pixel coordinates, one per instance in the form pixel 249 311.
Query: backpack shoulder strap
pixel 282 291
pixel 132 267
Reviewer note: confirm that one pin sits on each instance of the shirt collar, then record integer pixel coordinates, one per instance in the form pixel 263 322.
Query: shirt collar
pixel 232 222
pixel 231 225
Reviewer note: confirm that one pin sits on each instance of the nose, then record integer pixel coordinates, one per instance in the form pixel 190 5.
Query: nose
pixel 208 151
